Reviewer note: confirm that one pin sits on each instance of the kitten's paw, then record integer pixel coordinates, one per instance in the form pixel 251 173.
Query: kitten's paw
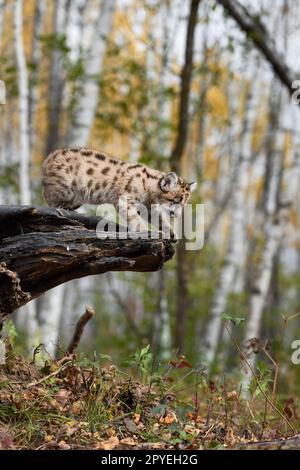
pixel 168 236
pixel 173 237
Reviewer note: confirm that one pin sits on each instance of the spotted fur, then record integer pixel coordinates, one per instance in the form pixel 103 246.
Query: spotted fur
pixel 76 176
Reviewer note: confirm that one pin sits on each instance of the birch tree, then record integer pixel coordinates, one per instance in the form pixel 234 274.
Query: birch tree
pixel 31 325
pixel 85 110
pixel 235 255
pixel 273 216
pixel 57 76
pixel 65 26
pixel 51 304
pixel 24 150
pixel 49 319
pixel 161 327
pixel 79 128
pixel 161 334
pixel 36 55
pixel 273 224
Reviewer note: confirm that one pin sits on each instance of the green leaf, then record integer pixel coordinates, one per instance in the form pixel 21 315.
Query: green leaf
pixel 234 320
pixel 159 410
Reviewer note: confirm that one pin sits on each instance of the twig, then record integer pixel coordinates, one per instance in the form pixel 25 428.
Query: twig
pixel 88 314
pixel 264 420
pixel 276 374
pixel 37 382
pixel 285 322
pixel 196 400
pixel 225 403
pixel 274 407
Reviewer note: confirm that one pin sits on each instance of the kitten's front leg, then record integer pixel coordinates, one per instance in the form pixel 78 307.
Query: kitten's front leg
pixel 134 215
pixel 167 229
pixel 161 220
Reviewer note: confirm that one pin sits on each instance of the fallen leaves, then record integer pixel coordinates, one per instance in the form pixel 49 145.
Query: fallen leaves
pixel 110 432
pixel 85 406
pixel 130 426
pixel 63 396
pixel 169 418
pixel 128 441
pixel 63 446
pixel 77 407
pixel 109 444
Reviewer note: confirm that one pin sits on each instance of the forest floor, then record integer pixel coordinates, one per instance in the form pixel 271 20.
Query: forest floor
pixel 82 404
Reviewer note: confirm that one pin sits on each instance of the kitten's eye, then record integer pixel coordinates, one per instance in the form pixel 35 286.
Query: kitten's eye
pixel 177 200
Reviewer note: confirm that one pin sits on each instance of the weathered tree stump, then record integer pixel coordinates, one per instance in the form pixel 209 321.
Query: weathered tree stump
pixel 41 248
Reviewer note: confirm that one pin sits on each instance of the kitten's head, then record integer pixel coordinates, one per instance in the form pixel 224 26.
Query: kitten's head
pixel 174 193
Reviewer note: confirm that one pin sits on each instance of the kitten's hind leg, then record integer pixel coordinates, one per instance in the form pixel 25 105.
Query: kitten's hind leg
pixel 60 209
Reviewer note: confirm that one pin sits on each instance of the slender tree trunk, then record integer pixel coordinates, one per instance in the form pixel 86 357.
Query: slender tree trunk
pixel 185 90
pixel 84 114
pixel 24 151
pixel 50 317
pixel 50 306
pixel 161 327
pixel 273 213
pixel 86 108
pixel 273 233
pixel 163 105
pixel 177 166
pixel 202 105
pixel 31 325
pixel 57 78
pixel 235 256
pixel 161 332
pixel 76 27
pixel 36 54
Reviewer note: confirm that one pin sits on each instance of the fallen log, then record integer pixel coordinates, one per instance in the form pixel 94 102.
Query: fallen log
pixel 42 247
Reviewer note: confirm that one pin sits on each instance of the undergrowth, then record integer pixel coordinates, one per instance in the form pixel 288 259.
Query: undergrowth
pixel 78 403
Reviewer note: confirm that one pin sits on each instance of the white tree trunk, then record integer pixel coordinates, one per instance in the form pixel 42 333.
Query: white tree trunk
pixel 57 77
pixel 77 135
pixel 235 256
pixel 258 298
pixel 161 336
pixel 273 234
pixel 29 311
pixel 85 111
pixel 94 36
pixel 273 215
pixel 36 54
pixel 24 152
pixel 67 20
pixel 76 26
pixel 50 317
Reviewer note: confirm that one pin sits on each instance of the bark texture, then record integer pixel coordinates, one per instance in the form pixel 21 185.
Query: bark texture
pixel 42 248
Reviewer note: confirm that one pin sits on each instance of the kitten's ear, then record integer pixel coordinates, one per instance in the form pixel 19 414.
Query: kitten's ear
pixel 168 182
pixel 193 186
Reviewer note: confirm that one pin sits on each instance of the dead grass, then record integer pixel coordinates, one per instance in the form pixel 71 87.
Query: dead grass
pixel 92 405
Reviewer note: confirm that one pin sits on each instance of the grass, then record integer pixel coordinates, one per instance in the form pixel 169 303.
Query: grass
pixel 82 404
